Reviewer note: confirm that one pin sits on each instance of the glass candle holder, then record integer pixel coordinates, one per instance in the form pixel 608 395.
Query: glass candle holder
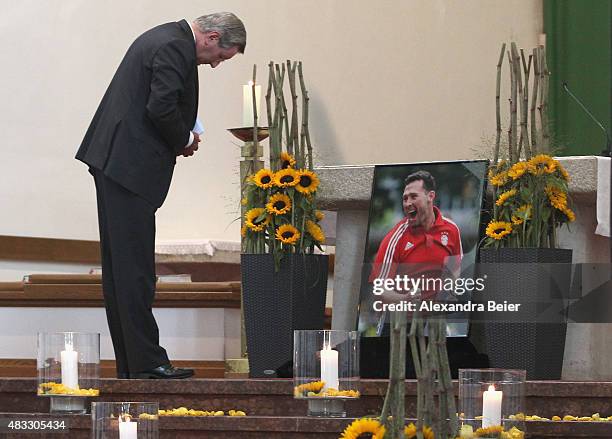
pixel 492 400
pixel 326 370
pixel 125 420
pixel 68 365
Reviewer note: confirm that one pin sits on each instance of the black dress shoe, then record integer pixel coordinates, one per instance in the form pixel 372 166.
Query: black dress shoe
pixel 165 371
pixel 123 375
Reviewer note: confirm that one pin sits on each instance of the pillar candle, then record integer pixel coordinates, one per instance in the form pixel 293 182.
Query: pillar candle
pixel 248 119
pixel 329 367
pixel 69 364
pixel 491 407
pixel 128 429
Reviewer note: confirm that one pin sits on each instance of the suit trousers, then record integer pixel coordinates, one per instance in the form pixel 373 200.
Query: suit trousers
pixel 127 244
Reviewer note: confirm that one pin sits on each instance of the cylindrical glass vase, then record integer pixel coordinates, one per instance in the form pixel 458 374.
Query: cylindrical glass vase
pixel 491 401
pixel 68 365
pixel 125 420
pixel 326 370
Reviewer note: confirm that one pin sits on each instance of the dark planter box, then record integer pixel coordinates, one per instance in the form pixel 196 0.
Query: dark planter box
pixel 535 341
pixel 278 302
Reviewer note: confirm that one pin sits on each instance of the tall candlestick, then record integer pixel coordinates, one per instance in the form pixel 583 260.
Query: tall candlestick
pixel 70 367
pixel 248 120
pixel 491 407
pixel 329 367
pixel 128 429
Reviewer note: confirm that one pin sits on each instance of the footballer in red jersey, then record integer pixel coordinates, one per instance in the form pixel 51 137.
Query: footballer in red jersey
pixel 423 244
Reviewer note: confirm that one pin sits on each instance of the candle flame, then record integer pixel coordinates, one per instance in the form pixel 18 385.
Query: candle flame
pixel 251 83
pixel 491 388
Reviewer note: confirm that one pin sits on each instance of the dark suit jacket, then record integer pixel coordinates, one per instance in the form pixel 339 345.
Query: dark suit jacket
pixel 147 112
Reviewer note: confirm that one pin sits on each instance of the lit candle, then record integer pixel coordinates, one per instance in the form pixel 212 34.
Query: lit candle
pixel 69 364
pixel 491 407
pixel 248 119
pixel 127 428
pixel 329 367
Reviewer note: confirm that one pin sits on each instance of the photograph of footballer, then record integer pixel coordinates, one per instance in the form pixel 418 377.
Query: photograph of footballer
pixel 422 233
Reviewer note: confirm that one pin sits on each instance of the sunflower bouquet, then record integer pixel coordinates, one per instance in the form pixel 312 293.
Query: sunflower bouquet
pixel 530 187
pixel 279 201
pixel 531 202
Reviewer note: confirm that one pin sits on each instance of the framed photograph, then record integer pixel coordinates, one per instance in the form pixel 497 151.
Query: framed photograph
pixel 423 235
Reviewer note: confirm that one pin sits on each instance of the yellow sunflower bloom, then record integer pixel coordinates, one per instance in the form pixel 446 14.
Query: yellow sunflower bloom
pixel 319 215
pixel 315 231
pixel 243 230
pixel 253 219
pixel 287 160
pixel 287 234
pixel 307 182
pixel 428 433
pixel 313 386
pixel 542 164
pixel 279 204
pixel 263 178
pixel 564 174
pixel 521 214
pixel 569 213
pixel 498 179
pixel 519 169
pixel 557 198
pixel 286 178
pixel 503 197
pixel 364 425
pixel 498 229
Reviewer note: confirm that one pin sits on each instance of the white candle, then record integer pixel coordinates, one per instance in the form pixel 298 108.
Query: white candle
pixel 248 119
pixel 70 367
pixel 128 429
pixel 491 407
pixel 329 368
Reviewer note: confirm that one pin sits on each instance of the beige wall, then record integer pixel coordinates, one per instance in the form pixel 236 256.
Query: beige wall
pixel 390 81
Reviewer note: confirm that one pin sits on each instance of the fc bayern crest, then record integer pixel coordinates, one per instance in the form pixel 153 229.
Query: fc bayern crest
pixel 444 238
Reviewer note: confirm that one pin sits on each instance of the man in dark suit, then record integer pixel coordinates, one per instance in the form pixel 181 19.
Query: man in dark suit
pixel 143 123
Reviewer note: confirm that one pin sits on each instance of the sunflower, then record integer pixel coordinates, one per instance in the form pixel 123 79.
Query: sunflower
pixel 315 231
pixel 542 164
pixel 564 174
pixel 569 213
pixel 287 160
pixel 287 234
pixel 521 214
pixel 410 431
pixel 313 386
pixel 319 215
pixel 519 169
pixel 364 425
pixel 498 179
pixel 503 197
pixel 307 182
pixel 498 229
pixel 286 178
pixel 279 204
pixel 255 219
pixel 557 198
pixel 263 178
pixel 243 230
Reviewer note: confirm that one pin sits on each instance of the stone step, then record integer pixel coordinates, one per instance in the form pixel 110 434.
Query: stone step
pixel 274 397
pixel 286 427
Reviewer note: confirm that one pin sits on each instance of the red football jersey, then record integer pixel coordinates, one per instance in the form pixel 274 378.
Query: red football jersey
pixel 413 251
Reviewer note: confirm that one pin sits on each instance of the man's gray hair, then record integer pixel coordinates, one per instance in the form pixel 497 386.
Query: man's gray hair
pixel 231 29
